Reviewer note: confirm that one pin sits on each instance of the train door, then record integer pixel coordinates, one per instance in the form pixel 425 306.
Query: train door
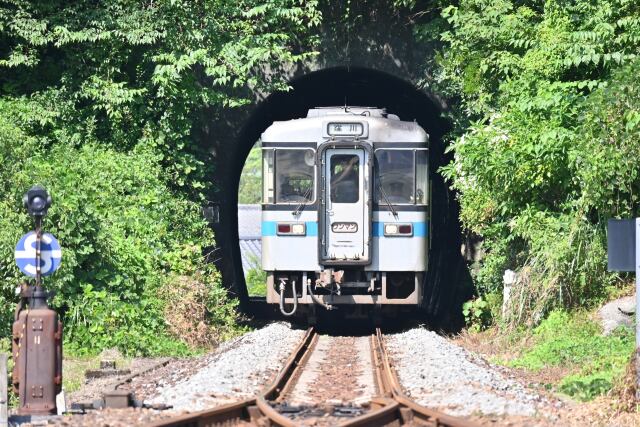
pixel 346 223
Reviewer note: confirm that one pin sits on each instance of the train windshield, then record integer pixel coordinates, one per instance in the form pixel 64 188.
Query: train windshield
pixel 403 176
pixel 288 176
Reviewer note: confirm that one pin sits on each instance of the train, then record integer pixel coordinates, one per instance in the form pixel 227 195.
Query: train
pixel 345 211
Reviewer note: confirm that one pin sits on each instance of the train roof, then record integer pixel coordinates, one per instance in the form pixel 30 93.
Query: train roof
pixel 381 126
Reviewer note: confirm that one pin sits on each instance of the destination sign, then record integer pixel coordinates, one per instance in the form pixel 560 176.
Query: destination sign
pixel 345 129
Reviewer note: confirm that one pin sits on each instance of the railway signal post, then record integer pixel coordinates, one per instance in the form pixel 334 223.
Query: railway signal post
pixel 623 253
pixel 37 331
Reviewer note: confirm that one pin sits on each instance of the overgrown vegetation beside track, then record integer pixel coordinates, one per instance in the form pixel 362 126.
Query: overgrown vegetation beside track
pixel 545 144
pixel 107 104
pixel 256 278
pixel 126 238
pixel 548 125
pixel 565 353
pixel 591 363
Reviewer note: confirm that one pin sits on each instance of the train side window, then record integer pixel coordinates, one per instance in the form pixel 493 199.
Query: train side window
pixel 294 172
pixel 345 179
pixel 422 177
pixel 268 193
pixel 396 173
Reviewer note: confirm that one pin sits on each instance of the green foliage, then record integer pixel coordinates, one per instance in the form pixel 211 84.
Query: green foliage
pixel 250 188
pixel 131 71
pixel 122 231
pixel 256 278
pixel 476 314
pixel 500 50
pixel 546 132
pixel 110 105
pixel 575 343
pixel 100 319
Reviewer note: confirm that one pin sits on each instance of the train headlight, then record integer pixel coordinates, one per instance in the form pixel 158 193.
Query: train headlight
pixel 298 229
pixel 295 229
pixel 390 229
pixel 398 230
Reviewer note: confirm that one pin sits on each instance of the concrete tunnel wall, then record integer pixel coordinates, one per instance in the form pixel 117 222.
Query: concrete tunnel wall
pixel 448 281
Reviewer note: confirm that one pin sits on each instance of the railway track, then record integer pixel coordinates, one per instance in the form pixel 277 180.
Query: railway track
pixel 390 408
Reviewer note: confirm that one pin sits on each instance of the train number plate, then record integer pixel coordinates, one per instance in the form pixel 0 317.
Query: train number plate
pixel 344 227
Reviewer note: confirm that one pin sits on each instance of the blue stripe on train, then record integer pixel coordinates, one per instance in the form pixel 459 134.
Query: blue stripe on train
pixel 420 229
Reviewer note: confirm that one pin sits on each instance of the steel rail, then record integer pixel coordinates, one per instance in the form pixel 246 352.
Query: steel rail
pixel 391 408
pixel 396 408
pixel 256 411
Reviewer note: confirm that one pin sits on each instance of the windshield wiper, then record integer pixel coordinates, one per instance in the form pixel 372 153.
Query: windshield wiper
pixel 302 204
pixel 384 196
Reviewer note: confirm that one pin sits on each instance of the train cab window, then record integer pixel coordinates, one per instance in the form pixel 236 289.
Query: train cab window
pixel 395 172
pixel 288 176
pixel 345 180
pixel 403 176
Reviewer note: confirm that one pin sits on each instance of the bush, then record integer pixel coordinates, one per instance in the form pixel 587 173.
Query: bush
pixel 476 314
pixel 547 133
pixel 256 278
pixel 576 343
pixel 197 310
pixel 123 232
pixel 110 105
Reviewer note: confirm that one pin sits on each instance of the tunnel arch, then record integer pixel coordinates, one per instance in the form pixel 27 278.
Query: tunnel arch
pixel 448 281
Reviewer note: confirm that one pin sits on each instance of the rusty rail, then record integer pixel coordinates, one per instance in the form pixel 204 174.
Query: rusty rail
pixel 255 411
pixel 391 408
pixel 394 407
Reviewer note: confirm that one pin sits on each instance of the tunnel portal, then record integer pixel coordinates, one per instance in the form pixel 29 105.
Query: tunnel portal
pixel 448 281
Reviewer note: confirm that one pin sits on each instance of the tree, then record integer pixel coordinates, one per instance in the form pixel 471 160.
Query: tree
pixel 534 176
pixel 105 103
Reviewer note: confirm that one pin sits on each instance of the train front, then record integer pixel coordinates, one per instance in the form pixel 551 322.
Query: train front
pixel 345 213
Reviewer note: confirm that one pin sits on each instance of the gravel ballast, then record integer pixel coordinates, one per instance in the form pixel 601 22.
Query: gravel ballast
pixel 439 374
pixel 238 369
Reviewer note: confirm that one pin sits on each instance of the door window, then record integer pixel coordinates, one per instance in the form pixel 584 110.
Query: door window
pixel 345 178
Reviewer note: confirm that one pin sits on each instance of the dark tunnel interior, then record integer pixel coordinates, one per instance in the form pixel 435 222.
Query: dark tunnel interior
pixel 448 282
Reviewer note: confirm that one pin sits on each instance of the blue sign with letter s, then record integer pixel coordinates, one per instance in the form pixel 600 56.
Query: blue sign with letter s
pixel 50 251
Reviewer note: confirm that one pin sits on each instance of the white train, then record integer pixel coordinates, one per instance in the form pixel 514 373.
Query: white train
pixel 345 212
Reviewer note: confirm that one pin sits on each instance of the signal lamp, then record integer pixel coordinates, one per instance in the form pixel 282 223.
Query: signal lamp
pixel 37 201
